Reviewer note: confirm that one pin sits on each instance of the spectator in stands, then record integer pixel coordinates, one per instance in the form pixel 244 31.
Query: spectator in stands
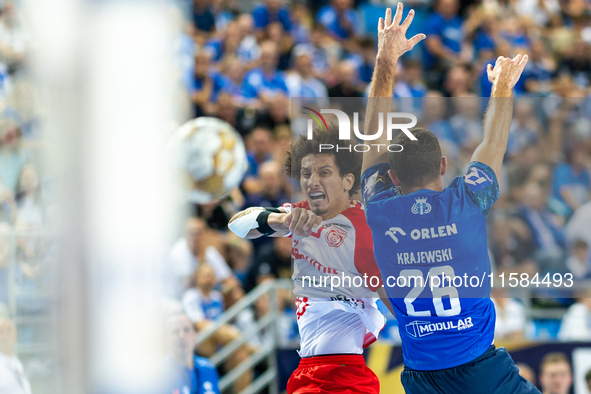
pixel 578 262
pixel 285 45
pixel 203 83
pixel 182 371
pixel 545 231
pixel 192 250
pixel 467 121
pixel 526 372
pixel 276 115
pixel 366 59
pixel 271 11
pixel 525 128
pixel 575 323
pixel 537 75
pixel 12 156
pixel 339 19
pixel 555 374
pixel 511 246
pixel 261 145
pixel 444 39
pixel 265 82
pixel 348 82
pixel 12 375
pixel 203 305
pixel 434 108
pixel 457 82
pixel 248 51
pixel 203 19
pixel 14 40
pixel 271 194
pixel 519 168
pixel 571 182
pixel 321 53
pixel 302 83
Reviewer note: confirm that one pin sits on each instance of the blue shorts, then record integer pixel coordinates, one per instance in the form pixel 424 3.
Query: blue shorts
pixel 492 373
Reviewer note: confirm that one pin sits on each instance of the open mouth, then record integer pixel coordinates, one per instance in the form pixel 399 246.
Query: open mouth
pixel 317 196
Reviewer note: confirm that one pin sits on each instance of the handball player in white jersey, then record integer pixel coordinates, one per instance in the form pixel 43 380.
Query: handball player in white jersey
pixel 330 238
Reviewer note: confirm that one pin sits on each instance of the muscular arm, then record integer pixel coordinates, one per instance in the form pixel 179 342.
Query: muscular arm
pixel 392 44
pixel 497 120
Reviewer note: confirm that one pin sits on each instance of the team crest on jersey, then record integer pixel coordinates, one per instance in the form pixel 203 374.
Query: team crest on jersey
pixel 421 206
pixel 336 236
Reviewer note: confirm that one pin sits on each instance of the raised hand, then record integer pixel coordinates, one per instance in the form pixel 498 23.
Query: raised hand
pixel 506 71
pixel 392 42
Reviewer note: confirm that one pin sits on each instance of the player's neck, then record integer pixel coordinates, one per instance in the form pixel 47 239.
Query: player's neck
pixel 435 186
pixel 336 211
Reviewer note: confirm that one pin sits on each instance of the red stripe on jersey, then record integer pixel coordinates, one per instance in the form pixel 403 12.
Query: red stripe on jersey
pixel 364 258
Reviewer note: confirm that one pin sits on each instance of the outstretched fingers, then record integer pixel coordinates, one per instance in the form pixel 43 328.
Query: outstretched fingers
pixel 398 15
pixel 416 39
pixel 523 61
pixel 380 25
pixel 388 20
pixel 407 21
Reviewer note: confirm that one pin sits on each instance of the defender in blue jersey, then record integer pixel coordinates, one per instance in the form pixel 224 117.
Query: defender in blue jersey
pixel 430 243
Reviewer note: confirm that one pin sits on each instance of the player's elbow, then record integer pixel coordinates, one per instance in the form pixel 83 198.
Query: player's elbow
pixel 495 145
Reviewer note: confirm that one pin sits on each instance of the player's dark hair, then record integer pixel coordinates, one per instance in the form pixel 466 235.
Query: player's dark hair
pixel 588 376
pixel 419 162
pixel 346 162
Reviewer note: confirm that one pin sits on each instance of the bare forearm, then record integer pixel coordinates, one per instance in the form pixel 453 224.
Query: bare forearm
pixel 497 122
pixel 378 105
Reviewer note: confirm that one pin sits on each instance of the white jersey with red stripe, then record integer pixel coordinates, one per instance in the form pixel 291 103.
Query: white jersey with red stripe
pixel 337 319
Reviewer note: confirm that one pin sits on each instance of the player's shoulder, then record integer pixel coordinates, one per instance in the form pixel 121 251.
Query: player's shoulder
pixel 355 213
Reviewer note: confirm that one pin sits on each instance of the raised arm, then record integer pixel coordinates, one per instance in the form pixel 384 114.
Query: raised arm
pixel 392 44
pixel 497 120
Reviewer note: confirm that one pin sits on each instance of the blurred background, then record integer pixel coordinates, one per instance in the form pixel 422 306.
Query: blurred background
pixel 243 61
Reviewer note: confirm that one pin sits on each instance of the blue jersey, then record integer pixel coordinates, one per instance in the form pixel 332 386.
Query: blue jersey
pixel 428 234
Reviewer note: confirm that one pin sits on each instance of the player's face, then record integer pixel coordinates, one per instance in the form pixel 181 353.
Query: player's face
pixel 556 378
pixel 180 336
pixel 326 191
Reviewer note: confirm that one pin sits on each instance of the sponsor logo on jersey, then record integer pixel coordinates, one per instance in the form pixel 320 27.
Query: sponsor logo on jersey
pixel 477 178
pixel 393 231
pixel 424 233
pixel 419 329
pixel 335 236
pixel 421 206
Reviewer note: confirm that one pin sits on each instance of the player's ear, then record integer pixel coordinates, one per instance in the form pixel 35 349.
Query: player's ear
pixel 348 181
pixel 443 165
pixel 393 178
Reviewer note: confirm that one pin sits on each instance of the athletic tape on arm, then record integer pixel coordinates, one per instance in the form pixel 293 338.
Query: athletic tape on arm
pixel 246 222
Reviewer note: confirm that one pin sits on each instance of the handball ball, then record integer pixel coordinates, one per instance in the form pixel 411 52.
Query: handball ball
pixel 210 157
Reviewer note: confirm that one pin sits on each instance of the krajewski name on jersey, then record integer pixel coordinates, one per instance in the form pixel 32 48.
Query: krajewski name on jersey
pixel 418 329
